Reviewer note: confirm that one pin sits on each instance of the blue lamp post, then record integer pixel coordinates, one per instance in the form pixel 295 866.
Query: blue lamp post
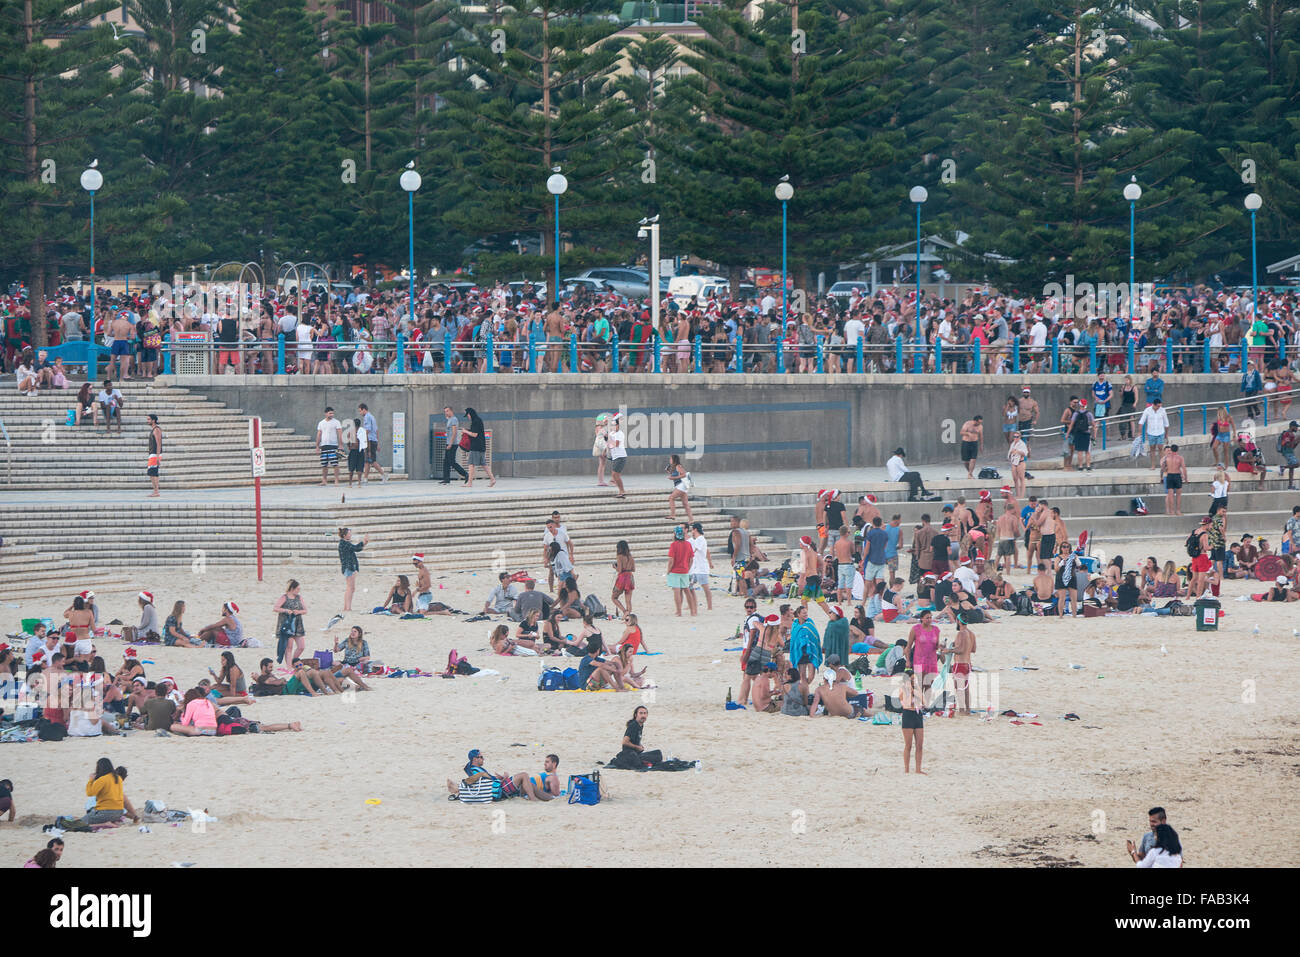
pixel 784 192
pixel 918 195
pixel 410 181
pixel 91 180
pixel 1253 203
pixel 1132 192
pixel 556 185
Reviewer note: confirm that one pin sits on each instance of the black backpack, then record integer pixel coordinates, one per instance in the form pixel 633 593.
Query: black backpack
pixel 989 473
pixel 48 730
pixel 1194 544
pixel 1024 604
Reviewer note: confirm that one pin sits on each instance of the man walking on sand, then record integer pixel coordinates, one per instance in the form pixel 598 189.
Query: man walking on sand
pixel 328 433
pixel 155 453
pixel 701 562
pixel 972 443
pixel 680 555
pixel 1008 530
pixel 962 648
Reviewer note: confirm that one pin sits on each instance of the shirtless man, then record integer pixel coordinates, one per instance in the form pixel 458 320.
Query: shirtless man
pixel 867 509
pixel 844 558
pixel 120 330
pixel 1173 472
pixel 763 688
pixel 544 786
pixel 962 648
pixel 984 510
pixel 423 584
pixel 1067 417
pixel 267 334
pixel 1058 526
pixel 962 517
pixel 1028 413
pixel 834 693
pixel 972 443
pixel 811 563
pixel 1008 530
pixel 1044 583
pixel 554 330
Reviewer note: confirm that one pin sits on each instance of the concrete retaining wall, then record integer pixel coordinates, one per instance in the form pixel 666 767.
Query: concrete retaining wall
pixel 542 425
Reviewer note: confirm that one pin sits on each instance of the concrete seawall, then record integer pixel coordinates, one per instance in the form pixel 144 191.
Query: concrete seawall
pixel 542 425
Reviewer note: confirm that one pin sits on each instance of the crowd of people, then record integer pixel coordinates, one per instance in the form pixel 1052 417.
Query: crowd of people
pixel 330 332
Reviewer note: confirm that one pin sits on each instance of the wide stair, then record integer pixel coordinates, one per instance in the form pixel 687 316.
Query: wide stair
pixel 205 443
pixel 498 532
pixel 785 517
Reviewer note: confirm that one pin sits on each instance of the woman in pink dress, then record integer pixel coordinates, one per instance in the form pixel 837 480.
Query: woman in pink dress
pixel 922 650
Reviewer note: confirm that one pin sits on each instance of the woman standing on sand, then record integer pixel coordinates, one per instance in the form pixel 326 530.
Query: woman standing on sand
pixel 624 583
pixel 911 701
pixel 288 628
pixel 922 650
pixel 349 564
pixel 600 449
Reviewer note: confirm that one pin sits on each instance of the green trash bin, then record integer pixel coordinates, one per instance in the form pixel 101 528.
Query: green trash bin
pixel 1207 614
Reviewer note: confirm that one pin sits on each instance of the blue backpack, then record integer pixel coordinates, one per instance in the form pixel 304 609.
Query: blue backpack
pixel 552 679
pixel 571 682
pixel 583 790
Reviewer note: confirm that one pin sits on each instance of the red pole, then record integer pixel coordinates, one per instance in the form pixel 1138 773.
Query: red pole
pixel 256 425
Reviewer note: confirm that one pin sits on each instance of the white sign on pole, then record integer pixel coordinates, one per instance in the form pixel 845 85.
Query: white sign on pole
pixel 399 441
pixel 259 462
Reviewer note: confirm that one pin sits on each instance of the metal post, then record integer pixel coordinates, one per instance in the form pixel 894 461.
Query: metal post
pixel 821 356
pixel 92 268
pixel 1254 280
pixel 573 343
pixel 1092 357
pixel 166 354
pixel 657 345
pixel 918 284
pixel 898 355
pixel 1132 356
pixel 1015 355
pixel 654 277
pixel 1169 357
pixel 780 355
pixel 861 367
pixel 1205 356
pixel 1265 408
pixel 532 351
pixel 699 356
pixel 1132 224
pixel 556 296
pixel 740 354
pixel 785 316
pixel 613 348
pixel 400 366
pixel 410 240
pixel 490 348
pixel 1056 357
pixel 279 354
pixel 979 364
pixel 938 356
pixel 1103 435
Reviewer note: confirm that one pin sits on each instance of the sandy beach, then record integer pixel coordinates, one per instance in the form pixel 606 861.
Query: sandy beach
pixel 1208 730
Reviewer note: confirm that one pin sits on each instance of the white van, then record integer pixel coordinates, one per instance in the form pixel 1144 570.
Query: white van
pixel 684 287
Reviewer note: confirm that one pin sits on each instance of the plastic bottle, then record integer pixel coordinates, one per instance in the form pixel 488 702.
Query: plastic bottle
pixel 857 682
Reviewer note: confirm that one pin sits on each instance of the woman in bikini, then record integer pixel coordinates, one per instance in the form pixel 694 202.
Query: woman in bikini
pixel 1168 584
pixel 81 622
pixel 624 584
pixel 400 597
pixel 1221 438
pixel 568 603
pixel 555 637
pixel 633 677
pixel 231 681
pixel 677 475
pixel 503 644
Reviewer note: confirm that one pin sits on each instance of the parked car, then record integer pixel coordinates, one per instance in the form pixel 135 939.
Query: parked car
pixel 625 280
pixel 529 290
pixel 844 289
pixel 598 287
pixel 684 287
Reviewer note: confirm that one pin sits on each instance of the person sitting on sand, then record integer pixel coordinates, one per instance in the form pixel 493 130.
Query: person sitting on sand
pixel 761 689
pixel 226 630
pixel 231 681
pixel 630 675
pixel 265 682
pixel 544 786
pixel 568 603
pixel 593 670
pixel 400 597
pixel 833 695
pixel 554 636
pixel 794 700
pixel 111 802
pixel 355 649
pixel 503 644
pixel 198 717
pixel 632 636
pixel 475 772
pixel 220 700
pixel 503 596
pixel 423 584
pixel 174 633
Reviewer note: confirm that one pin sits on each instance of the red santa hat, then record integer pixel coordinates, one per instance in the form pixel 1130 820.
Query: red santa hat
pixel 131 653
pixel 985 495
pixel 232 607
pixel 418 557
pixel 87 594
pixel 806 541
pixel 147 596
pixel 870 498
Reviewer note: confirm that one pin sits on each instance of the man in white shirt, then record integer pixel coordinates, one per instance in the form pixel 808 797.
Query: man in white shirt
pixel 854 329
pixel 554 532
pixel 110 403
pixel 329 430
pixel 700 562
pixel 899 472
pixel 1038 335
pixel 966 575
pixel 1154 423
pixel 768 305
pixel 617 451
